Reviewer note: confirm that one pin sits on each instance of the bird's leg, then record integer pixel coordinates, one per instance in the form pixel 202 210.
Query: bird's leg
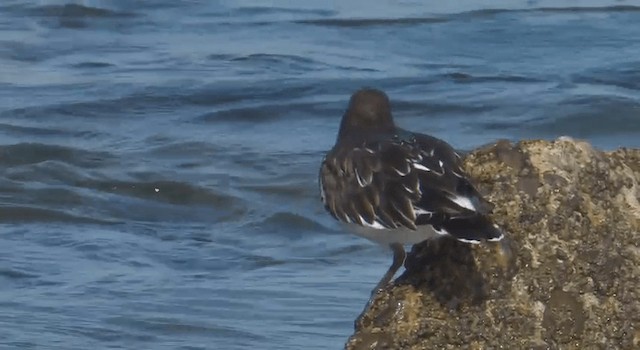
pixel 399 256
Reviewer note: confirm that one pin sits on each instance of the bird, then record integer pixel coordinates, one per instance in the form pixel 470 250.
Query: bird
pixel 397 187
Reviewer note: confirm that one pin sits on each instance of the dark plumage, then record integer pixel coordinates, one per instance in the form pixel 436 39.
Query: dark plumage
pixel 395 186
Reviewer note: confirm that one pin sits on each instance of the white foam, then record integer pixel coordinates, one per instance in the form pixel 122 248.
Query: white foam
pixel 464 202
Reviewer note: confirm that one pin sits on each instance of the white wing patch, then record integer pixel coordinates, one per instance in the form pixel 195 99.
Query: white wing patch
pixel 420 211
pixel 444 232
pixel 441 232
pixel 472 241
pixel 464 202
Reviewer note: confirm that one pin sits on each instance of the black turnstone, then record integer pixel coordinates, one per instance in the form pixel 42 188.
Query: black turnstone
pixel 398 187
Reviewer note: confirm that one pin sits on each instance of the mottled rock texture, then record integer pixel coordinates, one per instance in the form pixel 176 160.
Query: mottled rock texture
pixel 568 277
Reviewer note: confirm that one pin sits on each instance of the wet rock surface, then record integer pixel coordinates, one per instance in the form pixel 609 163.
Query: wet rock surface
pixel 568 277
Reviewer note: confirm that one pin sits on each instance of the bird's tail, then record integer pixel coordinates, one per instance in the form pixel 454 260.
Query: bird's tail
pixel 473 229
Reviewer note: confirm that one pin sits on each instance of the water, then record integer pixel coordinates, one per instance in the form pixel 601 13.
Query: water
pixel 158 159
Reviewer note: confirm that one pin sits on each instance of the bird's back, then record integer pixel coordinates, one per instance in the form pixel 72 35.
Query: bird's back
pixel 404 180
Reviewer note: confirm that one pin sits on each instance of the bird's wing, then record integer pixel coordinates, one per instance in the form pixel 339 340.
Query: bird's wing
pixel 373 185
pixel 406 182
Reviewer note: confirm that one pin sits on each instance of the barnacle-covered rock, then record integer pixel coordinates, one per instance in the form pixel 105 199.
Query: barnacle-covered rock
pixel 567 277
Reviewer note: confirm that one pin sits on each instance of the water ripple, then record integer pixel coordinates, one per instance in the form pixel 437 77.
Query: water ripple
pixel 625 76
pixel 77 11
pixel 15 274
pixel 33 153
pixel 15 214
pixel 559 9
pixel 280 220
pixel 372 22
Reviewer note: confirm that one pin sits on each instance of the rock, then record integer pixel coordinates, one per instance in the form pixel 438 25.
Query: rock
pixel 567 278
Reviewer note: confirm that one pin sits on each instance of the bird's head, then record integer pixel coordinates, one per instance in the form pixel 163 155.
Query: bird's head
pixel 369 110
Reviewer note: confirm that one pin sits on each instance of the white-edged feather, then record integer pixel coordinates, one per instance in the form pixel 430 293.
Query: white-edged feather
pixel 360 180
pixel 402 173
pixel 424 168
pixel 408 189
pixel 421 167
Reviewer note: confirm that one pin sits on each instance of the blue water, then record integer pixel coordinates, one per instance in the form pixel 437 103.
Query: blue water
pixel 158 159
